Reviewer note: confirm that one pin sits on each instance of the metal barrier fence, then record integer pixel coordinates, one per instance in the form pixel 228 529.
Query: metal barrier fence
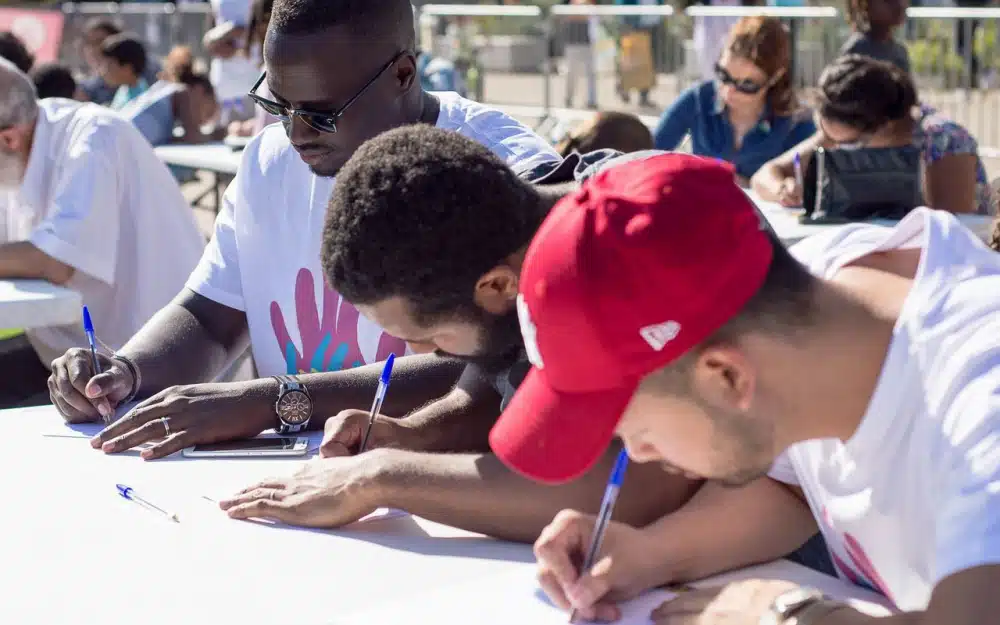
pixel 525 55
pixel 522 53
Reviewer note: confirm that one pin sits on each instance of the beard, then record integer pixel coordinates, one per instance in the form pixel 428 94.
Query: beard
pixel 11 171
pixel 742 446
pixel 500 342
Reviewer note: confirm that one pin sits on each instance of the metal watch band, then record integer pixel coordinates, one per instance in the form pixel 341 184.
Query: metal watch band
pixel 815 611
pixel 136 377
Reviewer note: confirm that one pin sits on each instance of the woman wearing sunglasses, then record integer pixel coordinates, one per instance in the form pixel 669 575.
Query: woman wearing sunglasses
pixel 749 113
pixel 862 102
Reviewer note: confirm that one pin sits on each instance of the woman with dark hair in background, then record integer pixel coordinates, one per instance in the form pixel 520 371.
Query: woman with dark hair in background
pixel 612 130
pixel 749 113
pixel 14 50
pixel 55 80
pixel 862 102
pixel 874 23
pixel 182 97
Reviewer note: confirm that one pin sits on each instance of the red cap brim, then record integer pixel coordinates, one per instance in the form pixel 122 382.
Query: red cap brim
pixel 554 437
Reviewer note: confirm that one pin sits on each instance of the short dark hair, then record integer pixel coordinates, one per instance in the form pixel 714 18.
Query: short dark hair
pixel 864 93
pixel 103 24
pixel 54 80
pixel 422 213
pixel 126 50
pixel 14 50
pixel 366 18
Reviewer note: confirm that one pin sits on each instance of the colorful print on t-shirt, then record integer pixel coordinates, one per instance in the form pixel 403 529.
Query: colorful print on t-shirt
pixel 329 343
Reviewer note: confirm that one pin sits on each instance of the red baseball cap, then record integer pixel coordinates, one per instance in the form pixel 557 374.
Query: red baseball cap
pixel 645 261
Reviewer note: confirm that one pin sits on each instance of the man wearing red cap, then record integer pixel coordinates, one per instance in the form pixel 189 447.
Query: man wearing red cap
pixel 852 384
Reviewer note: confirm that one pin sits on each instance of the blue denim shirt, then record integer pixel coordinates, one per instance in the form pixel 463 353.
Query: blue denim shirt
pixel 700 113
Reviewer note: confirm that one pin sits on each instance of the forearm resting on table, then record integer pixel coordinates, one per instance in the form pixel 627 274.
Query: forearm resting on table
pixel 416 380
pixel 461 420
pixel 723 528
pixel 21 259
pixel 477 493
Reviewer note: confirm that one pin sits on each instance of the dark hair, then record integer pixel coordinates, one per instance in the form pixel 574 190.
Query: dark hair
pixel 178 66
pixel 366 18
pixel 260 15
pixel 864 93
pixel 764 41
pixel 126 50
pixel 54 80
pixel 422 213
pixel 612 130
pixel 107 26
pixel 14 50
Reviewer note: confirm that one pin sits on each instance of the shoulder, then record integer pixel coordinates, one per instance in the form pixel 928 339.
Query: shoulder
pixel 270 153
pixel 942 135
pixel 86 129
pixel 502 134
pixel 821 252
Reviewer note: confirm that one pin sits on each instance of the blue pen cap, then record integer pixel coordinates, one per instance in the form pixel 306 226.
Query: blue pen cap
pixel 88 325
pixel 618 472
pixel 387 369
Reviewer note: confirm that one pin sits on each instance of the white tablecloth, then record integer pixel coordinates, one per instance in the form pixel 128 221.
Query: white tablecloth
pixel 77 553
pixel 37 304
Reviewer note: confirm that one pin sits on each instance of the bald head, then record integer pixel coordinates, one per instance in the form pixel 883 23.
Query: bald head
pixel 17 102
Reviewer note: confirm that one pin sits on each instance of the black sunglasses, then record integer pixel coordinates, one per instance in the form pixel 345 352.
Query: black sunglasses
pixel 746 85
pixel 322 121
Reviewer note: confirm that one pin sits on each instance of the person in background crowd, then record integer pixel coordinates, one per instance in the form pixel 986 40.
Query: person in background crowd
pixel 260 17
pixel 14 50
pixel 649 24
pixel 337 74
pixel 439 74
pixel 459 299
pixel 233 70
pixel 55 80
pixel 874 23
pixel 182 97
pixel 95 31
pixel 613 130
pixel 849 383
pixel 862 102
pixel 749 113
pixel 95 210
pixel 123 66
pixel 578 52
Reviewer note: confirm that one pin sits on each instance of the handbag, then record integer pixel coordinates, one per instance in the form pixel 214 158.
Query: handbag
pixel 843 185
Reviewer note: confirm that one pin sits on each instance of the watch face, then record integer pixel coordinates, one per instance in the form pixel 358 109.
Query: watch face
pixel 294 408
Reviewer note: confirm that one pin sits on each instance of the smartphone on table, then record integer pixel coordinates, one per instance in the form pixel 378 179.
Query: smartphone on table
pixel 262 447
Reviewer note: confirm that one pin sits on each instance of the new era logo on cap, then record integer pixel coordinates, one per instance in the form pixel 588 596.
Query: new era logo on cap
pixel 659 334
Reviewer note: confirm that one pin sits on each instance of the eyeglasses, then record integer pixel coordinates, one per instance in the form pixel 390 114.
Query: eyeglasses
pixel 744 85
pixel 321 121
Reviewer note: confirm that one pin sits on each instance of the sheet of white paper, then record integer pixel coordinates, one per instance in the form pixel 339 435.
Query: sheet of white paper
pixel 509 597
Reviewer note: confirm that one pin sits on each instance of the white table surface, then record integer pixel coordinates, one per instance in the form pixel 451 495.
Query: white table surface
pixel 786 223
pixel 215 157
pixel 78 553
pixel 37 304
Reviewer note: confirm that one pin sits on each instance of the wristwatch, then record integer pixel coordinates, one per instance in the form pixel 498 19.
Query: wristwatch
pixel 799 606
pixel 294 406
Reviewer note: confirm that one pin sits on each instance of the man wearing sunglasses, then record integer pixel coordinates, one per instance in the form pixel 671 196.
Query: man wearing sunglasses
pixel 336 73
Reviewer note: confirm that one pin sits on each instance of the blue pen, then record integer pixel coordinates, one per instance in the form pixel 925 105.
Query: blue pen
pixel 383 386
pixel 88 329
pixel 798 172
pixel 128 493
pixel 604 515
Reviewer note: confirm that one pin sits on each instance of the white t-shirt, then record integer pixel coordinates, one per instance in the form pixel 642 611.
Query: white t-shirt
pixel 264 257
pixel 96 197
pixel 914 495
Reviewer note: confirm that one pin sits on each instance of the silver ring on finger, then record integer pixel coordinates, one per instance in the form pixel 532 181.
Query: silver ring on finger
pixel 166 427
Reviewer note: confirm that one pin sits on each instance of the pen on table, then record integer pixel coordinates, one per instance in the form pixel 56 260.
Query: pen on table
pixel 383 386
pixel 798 172
pixel 128 493
pixel 604 515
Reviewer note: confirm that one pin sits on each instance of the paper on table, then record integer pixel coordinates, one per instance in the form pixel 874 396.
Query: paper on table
pixel 512 596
